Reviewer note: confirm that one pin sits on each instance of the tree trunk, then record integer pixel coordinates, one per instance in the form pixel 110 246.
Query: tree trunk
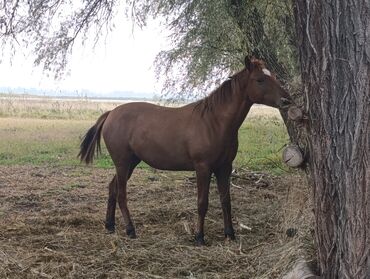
pixel 334 46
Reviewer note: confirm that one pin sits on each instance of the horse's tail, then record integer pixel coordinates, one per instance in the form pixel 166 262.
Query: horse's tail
pixel 92 140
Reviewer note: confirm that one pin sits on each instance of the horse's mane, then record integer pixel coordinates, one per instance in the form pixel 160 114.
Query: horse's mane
pixel 224 92
pixel 220 95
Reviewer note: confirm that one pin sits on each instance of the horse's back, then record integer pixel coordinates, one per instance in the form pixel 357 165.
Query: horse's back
pixel 140 115
pixel 155 134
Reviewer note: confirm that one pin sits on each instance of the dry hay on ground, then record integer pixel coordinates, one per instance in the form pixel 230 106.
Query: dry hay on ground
pixel 51 226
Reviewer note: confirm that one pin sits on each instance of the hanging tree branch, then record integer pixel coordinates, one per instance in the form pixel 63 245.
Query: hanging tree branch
pixel 204 49
pixel 52 27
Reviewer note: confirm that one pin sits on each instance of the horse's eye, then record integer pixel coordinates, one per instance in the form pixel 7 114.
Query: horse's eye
pixel 260 80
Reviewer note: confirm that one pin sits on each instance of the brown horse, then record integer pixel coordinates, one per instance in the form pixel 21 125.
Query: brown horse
pixel 201 136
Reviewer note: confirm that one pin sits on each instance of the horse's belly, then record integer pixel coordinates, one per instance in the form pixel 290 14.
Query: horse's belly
pixel 166 162
pixel 168 165
pixel 164 157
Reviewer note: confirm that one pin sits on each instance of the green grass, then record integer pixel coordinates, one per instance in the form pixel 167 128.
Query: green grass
pixel 39 141
pixel 261 140
pixel 56 142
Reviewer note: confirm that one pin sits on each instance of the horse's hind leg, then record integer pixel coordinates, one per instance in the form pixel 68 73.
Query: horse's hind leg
pixel 123 174
pixel 111 207
pixel 112 198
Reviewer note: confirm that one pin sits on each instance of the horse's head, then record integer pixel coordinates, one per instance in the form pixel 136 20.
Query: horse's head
pixel 262 87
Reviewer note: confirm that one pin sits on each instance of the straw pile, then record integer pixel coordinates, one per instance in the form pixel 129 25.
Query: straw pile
pixel 51 226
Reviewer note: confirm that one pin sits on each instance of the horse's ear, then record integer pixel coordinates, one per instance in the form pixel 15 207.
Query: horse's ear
pixel 248 62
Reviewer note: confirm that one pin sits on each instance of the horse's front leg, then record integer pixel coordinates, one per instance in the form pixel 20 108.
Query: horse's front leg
pixel 203 174
pixel 223 185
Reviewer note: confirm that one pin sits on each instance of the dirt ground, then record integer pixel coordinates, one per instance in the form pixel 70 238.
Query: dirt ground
pixel 52 226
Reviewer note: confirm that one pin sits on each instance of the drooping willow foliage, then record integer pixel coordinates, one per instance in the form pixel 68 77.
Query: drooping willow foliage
pixel 50 28
pixel 209 38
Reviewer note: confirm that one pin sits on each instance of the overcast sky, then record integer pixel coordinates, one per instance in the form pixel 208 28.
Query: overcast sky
pixel 123 61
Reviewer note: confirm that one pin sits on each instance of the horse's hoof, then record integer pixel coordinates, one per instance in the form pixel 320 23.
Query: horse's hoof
pixel 199 239
pixel 230 237
pixel 131 233
pixel 110 228
pixel 229 234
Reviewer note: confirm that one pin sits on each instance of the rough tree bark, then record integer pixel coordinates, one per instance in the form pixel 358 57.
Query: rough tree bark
pixel 334 46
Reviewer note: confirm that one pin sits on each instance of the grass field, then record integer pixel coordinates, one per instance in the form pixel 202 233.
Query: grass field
pixel 45 131
pixel 52 207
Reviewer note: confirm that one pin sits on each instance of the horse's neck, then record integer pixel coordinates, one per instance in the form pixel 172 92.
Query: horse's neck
pixel 237 115
pixel 227 115
pixel 232 114
pixel 239 105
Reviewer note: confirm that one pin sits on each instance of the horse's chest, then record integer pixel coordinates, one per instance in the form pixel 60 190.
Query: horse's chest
pixel 220 152
pixel 228 150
